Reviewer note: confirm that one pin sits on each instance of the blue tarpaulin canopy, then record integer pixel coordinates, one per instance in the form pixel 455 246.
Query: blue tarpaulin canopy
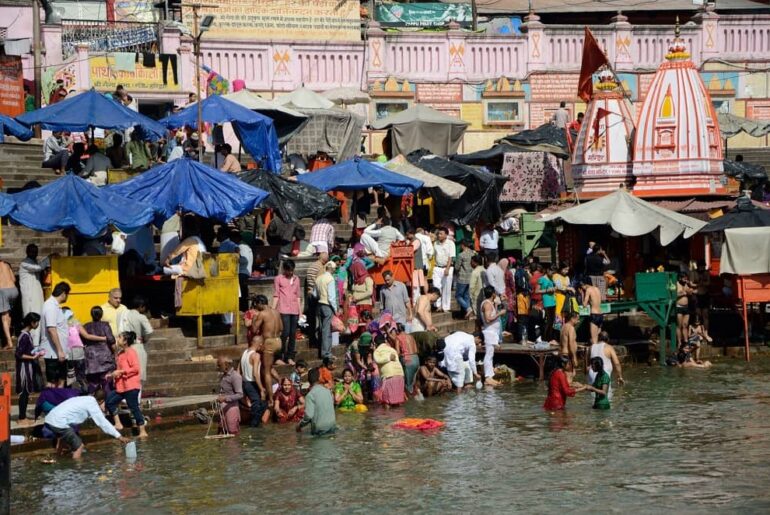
pixel 358 174
pixel 72 202
pixel 6 204
pixel 256 131
pixel 13 128
pixel 88 110
pixel 191 186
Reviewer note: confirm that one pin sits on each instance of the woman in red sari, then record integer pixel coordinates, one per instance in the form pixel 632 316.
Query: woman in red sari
pixel 289 403
pixel 559 388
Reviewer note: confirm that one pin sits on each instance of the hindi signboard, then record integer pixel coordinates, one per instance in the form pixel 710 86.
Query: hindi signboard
pixel 314 20
pixel 104 76
pixel 11 86
pixel 423 14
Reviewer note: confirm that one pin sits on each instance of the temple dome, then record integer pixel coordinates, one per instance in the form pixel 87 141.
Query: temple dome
pixel 601 157
pixel 677 148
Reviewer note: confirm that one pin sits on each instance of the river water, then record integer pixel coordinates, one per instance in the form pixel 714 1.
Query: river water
pixel 674 440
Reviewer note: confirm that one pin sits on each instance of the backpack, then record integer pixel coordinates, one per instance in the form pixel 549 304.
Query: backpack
pixel 522 282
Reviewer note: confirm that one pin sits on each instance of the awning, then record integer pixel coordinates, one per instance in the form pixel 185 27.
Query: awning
pixel 286 121
pixel 745 214
pixel 731 125
pixel 292 200
pixel 11 127
pixel 630 216
pixel 359 174
pixel 746 251
pixel 400 165
pixel 303 98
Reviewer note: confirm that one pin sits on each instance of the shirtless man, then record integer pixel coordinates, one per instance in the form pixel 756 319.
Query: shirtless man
pixel 424 321
pixel 593 297
pixel 267 322
pixel 568 343
pixel 433 380
pixel 683 290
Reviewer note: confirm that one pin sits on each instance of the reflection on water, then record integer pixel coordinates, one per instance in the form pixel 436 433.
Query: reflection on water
pixel 684 440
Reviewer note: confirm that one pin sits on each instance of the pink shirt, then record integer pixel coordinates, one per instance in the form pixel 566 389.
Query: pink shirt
pixel 287 292
pixel 128 362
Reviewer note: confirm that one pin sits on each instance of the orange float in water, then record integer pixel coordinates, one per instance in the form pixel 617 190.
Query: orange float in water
pixel 419 424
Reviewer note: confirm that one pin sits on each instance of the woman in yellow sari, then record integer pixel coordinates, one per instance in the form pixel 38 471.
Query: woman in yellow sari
pixel 562 284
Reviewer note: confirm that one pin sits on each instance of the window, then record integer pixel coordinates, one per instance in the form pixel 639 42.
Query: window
pixel 502 112
pixel 385 109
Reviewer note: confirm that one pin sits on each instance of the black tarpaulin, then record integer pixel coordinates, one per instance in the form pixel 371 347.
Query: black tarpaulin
pixel 745 214
pixel 480 202
pixel 546 138
pixel 492 158
pixel 290 199
pixel 742 171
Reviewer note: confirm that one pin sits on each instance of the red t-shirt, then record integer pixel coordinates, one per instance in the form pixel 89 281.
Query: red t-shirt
pixel 536 299
pixel 558 391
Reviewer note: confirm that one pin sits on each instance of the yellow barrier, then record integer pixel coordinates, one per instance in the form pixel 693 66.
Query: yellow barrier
pixel 215 295
pixel 114 176
pixel 91 279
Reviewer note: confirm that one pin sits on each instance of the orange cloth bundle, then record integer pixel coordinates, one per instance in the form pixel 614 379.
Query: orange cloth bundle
pixel 419 424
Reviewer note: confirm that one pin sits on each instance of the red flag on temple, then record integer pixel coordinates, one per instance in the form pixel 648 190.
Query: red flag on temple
pixel 593 59
pixel 600 113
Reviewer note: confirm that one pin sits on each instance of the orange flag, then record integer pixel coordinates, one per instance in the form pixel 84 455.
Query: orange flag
pixel 593 59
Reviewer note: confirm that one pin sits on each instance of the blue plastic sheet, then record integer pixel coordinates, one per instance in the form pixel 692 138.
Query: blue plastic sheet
pixel 89 109
pixel 256 131
pixel 13 128
pixel 72 202
pixel 187 185
pixel 358 174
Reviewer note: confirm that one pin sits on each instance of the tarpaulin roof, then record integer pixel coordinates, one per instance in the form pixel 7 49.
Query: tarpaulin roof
pixel 13 128
pixel 286 121
pixel 7 204
pixel 191 186
pixel 334 131
pixel 731 125
pixel 303 98
pixel 256 131
pixel 746 251
pixel 400 165
pixel 742 170
pixel 346 95
pixel 78 113
pixel 745 214
pixel 630 216
pixel 546 138
pixel 292 200
pixel 72 202
pixel 482 189
pixel 423 127
pixel 492 157
pixel 358 174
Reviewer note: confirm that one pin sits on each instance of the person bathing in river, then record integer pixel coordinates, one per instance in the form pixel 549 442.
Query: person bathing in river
pixel 568 343
pixel 601 384
pixel 267 322
pixel 319 408
pixel 289 403
pixel 432 380
pixel 558 386
pixel 609 357
pixel 698 336
pixel 592 297
pixel 348 394
pixel 684 290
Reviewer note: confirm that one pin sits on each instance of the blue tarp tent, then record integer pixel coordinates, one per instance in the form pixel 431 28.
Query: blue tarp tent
pixel 191 186
pixel 72 202
pixel 358 174
pixel 256 131
pixel 7 204
pixel 90 109
pixel 13 128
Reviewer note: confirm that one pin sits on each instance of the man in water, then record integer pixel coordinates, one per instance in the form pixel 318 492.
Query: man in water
pixel 683 291
pixel 593 297
pixel 460 357
pixel 267 322
pixel 602 349
pixel 74 412
pixel 433 380
pixel 319 407
pixel 230 395
pixel 253 388
pixel 568 343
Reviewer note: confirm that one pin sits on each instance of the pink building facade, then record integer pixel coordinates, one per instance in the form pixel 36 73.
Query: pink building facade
pixel 499 84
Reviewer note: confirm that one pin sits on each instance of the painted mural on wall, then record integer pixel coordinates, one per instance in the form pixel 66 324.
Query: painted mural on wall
pixel 316 20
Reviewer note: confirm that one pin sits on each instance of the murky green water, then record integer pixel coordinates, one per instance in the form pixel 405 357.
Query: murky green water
pixel 675 440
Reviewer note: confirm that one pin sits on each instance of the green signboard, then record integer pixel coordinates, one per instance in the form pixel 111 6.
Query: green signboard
pixel 422 14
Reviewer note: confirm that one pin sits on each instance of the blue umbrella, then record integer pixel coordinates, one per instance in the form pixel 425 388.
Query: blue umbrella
pixel 191 186
pixel 359 174
pixel 13 128
pixel 90 110
pixel 72 202
pixel 256 131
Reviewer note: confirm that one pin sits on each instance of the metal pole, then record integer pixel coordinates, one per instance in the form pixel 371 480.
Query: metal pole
pixel 36 60
pixel 197 49
pixel 475 16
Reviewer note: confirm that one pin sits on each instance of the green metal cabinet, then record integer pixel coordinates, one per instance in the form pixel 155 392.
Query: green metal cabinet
pixel 533 234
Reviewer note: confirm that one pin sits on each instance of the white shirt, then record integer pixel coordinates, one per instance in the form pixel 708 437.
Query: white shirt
pixel 426 247
pixel 456 345
pixel 246 261
pixel 77 410
pixel 496 278
pixel 444 251
pixel 53 316
pixel 489 239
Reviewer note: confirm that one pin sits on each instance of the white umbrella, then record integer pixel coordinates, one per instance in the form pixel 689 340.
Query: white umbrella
pixel 303 98
pixel 630 216
pixel 346 95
